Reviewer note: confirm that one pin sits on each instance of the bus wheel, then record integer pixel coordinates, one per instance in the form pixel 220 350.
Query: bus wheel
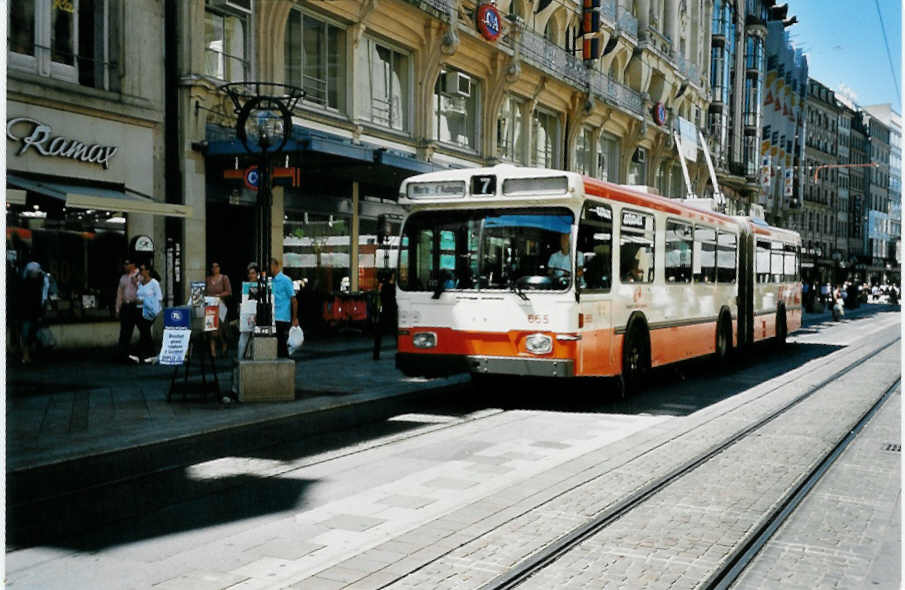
pixel 723 342
pixel 635 360
pixel 781 330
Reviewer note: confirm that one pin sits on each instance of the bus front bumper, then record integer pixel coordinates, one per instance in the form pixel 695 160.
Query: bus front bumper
pixel 442 365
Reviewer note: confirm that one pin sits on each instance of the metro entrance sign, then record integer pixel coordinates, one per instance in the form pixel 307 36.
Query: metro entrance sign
pixel 489 22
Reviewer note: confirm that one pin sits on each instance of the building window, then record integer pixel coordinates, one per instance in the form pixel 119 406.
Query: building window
pixel 456 102
pixel 584 152
pixel 70 40
pixel 608 158
pixel 225 46
pixel 546 139
pixel 637 170
pixel 386 75
pixel 315 59
pixel 509 129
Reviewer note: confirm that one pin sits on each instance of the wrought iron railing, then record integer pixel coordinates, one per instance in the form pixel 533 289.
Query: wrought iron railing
pixel 615 93
pixel 548 56
pixel 437 7
pixel 659 40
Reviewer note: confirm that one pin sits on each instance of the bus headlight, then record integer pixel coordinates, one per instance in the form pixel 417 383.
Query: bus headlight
pixel 539 344
pixel 424 340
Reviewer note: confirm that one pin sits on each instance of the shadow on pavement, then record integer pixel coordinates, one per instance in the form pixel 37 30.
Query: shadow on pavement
pixel 675 390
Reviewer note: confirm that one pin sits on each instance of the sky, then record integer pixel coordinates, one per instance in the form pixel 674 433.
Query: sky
pixel 844 44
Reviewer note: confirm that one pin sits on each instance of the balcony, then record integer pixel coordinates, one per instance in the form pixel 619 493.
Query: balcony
pixel 438 8
pixel 628 24
pixel 553 59
pixel 615 93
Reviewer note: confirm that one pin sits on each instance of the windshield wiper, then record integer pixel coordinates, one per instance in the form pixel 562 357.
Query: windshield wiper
pixel 513 286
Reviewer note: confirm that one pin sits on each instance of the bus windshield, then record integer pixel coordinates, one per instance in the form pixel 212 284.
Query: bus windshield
pixel 517 249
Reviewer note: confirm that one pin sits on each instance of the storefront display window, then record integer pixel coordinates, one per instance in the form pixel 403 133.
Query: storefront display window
pixel 82 250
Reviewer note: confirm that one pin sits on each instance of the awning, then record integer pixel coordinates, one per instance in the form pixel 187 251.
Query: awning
pixel 97 197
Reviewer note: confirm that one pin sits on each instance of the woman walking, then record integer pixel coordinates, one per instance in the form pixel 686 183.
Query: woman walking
pixel 218 286
pixel 149 296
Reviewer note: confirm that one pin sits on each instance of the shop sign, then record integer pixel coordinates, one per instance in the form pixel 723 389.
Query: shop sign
pixel 143 244
pixel 61 147
pixel 489 21
pixel 252 177
pixel 659 113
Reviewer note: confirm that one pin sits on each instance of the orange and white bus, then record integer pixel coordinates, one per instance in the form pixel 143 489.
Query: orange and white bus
pixel 527 271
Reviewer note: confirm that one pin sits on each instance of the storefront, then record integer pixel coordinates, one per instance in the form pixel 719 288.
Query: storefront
pixel 332 195
pixel 80 198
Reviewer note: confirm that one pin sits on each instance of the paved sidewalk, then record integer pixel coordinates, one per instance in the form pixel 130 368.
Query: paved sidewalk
pixel 60 409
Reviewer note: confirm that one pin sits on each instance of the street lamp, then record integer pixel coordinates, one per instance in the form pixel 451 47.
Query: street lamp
pixel 263 125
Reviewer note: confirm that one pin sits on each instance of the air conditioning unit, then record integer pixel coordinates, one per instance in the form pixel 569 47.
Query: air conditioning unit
pixel 240 5
pixel 457 84
pixel 640 156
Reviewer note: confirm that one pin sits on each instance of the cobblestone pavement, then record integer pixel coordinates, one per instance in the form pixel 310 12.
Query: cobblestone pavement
pixel 681 535
pixel 481 560
pixel 456 506
pixel 846 533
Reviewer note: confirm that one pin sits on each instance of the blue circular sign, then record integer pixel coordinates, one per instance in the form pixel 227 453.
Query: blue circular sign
pixel 252 177
pixel 489 22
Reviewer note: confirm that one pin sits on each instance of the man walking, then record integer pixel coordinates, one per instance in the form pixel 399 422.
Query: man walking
pixel 127 309
pixel 285 307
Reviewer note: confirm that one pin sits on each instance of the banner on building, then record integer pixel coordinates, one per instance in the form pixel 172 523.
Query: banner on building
pixel 688 147
pixel 788 184
pixel 765 172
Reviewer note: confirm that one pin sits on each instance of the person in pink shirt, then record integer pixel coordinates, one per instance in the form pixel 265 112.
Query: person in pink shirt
pixel 127 309
pixel 217 285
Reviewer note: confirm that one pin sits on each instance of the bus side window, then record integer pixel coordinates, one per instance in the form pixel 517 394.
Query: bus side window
pixel 679 246
pixel 777 263
pixel 705 254
pixel 725 257
pixel 636 247
pixel 595 247
pixel 762 262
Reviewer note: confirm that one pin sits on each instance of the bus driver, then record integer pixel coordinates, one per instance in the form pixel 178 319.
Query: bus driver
pixel 559 265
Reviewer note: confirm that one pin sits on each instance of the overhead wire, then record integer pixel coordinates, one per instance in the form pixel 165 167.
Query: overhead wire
pixel 892 68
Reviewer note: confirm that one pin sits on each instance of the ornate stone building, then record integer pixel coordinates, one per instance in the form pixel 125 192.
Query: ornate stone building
pixel 398 87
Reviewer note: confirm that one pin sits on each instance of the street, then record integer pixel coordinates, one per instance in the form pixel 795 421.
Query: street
pixel 462 487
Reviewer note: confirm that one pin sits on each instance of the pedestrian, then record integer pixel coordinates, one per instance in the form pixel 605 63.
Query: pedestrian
pixel 388 311
pixel 126 308
pixel 285 307
pixel 30 307
pixel 217 285
pixel 245 337
pixel 150 297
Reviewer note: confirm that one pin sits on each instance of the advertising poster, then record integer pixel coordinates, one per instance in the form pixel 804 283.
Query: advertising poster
pixel 174 347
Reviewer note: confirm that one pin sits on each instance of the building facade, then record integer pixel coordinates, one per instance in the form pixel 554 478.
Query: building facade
pixel 859 155
pixel 782 137
pixel 821 185
pixel 399 87
pixel 738 73
pixel 893 121
pixel 85 144
pixel 877 195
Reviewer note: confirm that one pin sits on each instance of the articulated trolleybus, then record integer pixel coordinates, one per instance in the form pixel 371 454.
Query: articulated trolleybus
pixel 526 271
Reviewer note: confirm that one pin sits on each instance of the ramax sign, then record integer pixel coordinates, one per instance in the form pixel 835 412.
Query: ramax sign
pixel 62 147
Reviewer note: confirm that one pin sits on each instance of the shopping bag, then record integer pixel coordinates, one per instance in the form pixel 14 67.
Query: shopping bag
pixel 296 338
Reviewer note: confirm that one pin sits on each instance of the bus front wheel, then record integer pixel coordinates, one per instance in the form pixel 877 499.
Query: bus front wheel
pixel 635 359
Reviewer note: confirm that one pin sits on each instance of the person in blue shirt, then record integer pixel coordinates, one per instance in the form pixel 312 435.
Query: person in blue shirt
pixel 285 307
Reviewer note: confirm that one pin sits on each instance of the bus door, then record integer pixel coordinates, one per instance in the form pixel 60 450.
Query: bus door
pixel 594 279
pixel 746 280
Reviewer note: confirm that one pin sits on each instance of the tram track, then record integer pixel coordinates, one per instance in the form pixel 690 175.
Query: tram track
pixel 565 543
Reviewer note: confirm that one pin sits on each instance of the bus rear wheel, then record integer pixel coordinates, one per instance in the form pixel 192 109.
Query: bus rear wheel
pixel 635 360
pixel 781 329
pixel 724 342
